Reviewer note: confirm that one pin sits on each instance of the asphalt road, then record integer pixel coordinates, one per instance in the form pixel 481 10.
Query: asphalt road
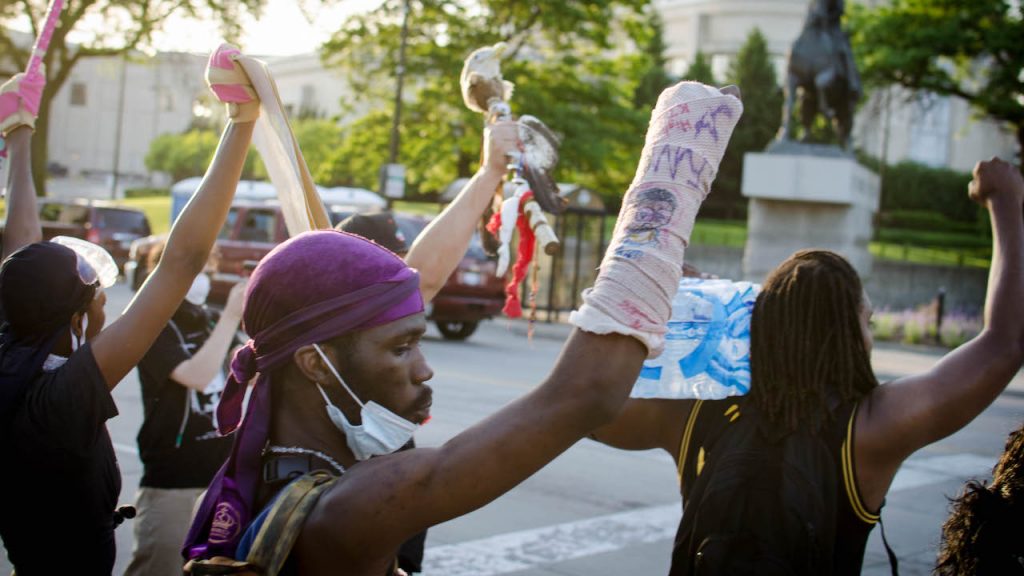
pixel 598 511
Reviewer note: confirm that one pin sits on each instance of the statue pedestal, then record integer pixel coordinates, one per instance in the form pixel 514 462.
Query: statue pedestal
pixel 805 199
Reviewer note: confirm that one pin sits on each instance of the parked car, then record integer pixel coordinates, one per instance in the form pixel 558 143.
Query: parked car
pixel 250 231
pixel 471 294
pixel 111 226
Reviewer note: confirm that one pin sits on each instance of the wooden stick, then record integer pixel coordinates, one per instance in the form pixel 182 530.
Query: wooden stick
pixel 541 228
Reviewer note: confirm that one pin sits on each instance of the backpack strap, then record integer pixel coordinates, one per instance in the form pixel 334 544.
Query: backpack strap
pixel 277 536
pixel 894 564
pixel 684 444
pixel 707 420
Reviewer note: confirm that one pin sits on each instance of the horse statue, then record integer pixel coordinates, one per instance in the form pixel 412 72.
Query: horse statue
pixel 822 69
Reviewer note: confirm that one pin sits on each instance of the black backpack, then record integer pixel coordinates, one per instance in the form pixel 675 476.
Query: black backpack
pixel 764 504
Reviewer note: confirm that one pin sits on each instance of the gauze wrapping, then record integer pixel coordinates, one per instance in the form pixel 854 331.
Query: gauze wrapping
pixel 686 139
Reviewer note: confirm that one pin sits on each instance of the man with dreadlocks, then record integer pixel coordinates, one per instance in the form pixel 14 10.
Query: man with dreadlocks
pixel 811 371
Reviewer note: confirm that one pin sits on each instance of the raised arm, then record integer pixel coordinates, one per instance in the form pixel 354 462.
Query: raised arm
pixel 646 423
pixel 19 104
pixel 441 246
pixel 393 497
pixel 198 371
pixel 22 227
pixel 912 412
pixel 120 347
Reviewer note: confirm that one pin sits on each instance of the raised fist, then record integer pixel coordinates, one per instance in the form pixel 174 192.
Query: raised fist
pixel 231 85
pixel 19 101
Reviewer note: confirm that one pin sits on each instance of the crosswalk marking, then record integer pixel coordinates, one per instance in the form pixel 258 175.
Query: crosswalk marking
pixel 526 549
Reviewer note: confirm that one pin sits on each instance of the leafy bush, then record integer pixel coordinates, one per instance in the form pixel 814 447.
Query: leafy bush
pixel 917 326
pixel 913 186
pixel 146 192
pixel 931 220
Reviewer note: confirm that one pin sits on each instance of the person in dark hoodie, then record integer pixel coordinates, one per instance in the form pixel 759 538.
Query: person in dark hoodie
pixel 58 364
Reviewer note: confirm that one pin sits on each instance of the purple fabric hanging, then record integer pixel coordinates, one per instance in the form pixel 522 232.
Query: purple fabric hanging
pixel 311 288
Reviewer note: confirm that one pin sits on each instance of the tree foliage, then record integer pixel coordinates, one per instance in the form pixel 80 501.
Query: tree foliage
pixel 189 154
pixel 101 28
pixel 966 48
pixel 752 70
pixel 656 78
pixel 700 70
pixel 575 64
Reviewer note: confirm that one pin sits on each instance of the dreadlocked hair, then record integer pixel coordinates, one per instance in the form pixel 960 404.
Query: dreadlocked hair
pixel 807 348
pixel 982 534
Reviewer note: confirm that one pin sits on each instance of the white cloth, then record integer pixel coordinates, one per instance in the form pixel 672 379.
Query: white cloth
pixel 300 202
pixel 687 137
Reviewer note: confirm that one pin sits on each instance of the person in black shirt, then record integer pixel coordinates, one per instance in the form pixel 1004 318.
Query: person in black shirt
pixel 811 346
pixel 182 376
pixel 60 478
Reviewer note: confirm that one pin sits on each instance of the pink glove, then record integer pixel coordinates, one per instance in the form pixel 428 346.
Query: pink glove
pixel 19 101
pixel 231 85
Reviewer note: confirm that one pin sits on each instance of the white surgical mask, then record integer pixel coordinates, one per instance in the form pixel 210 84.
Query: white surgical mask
pixel 54 361
pixel 199 291
pixel 382 431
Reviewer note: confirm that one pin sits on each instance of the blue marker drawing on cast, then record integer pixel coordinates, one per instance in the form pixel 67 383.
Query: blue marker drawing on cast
pixel 707 347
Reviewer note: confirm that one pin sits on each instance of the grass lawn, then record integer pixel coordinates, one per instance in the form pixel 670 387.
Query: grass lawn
pixel 923 247
pixel 157 209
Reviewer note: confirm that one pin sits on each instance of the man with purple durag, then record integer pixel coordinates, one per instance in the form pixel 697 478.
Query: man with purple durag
pixel 336 378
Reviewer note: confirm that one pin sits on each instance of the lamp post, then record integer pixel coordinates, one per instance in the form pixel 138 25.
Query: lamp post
pixel 391 171
pixel 118 127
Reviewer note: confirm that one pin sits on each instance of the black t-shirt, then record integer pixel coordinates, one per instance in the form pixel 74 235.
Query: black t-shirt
pixel 60 481
pixel 178 442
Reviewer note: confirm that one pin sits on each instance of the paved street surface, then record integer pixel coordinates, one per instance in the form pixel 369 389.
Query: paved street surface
pixel 598 511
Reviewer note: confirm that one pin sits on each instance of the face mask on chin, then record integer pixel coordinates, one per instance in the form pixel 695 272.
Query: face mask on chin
pixel 381 432
pixel 54 361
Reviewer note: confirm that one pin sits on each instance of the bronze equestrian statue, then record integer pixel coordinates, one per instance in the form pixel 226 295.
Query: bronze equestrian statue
pixel 821 65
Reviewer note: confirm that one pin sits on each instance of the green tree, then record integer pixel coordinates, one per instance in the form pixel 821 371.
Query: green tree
pixel 700 70
pixel 317 139
pixel 575 66
pixel 752 70
pixel 189 153
pixel 966 48
pixel 656 78
pixel 182 155
pixel 109 28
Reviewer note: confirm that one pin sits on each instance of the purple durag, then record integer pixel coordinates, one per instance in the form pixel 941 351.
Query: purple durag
pixel 314 287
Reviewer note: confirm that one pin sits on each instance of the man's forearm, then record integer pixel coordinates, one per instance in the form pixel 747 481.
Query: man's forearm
pixel 1003 306
pixel 441 246
pixel 193 235
pixel 198 371
pixel 22 227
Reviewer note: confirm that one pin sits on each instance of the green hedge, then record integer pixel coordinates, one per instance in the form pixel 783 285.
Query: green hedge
pixel 146 192
pixel 909 186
